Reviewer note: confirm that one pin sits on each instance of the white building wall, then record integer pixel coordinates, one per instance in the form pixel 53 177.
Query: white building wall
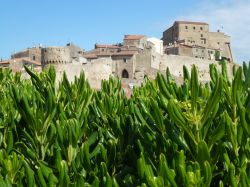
pixel 158 44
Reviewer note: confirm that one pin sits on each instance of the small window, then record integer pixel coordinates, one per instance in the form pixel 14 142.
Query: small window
pixel 125 60
pixel 202 35
pixel 34 58
pixel 194 28
pixel 186 27
pixel 201 28
pixel 218 43
pixel 202 51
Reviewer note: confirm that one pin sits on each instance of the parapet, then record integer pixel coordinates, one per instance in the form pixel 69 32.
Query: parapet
pixel 55 55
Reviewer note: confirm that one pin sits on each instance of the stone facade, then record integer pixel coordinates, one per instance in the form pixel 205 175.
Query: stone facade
pixel 194 39
pixel 60 55
pixel 55 55
pixel 185 43
pixel 33 53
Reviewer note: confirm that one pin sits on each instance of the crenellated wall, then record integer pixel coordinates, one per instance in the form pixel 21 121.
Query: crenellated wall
pixel 55 55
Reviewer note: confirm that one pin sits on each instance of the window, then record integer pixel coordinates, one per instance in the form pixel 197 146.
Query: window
pixel 125 60
pixel 125 74
pixel 202 35
pixel 34 58
pixel 186 27
pixel 194 28
pixel 218 43
pixel 201 28
pixel 203 41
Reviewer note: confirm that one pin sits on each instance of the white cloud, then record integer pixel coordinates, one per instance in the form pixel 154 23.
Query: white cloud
pixel 233 16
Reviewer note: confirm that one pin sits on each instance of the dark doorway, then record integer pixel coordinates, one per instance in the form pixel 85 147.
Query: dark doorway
pixel 125 74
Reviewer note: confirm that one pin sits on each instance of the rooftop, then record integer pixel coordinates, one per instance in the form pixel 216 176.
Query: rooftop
pixel 106 46
pixel 125 53
pixel 4 62
pixel 190 22
pixel 133 37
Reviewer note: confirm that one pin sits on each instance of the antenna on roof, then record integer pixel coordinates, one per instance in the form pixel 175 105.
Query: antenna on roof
pixel 221 28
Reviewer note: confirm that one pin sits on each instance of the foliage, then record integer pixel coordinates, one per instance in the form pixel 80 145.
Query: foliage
pixel 165 135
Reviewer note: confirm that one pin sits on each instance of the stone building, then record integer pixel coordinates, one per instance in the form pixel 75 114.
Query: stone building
pixel 138 41
pixel 194 39
pixel 33 54
pixel 123 56
pixel 185 43
pixel 60 54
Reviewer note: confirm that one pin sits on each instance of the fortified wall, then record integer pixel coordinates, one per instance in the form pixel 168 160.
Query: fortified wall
pixel 139 56
pixel 55 55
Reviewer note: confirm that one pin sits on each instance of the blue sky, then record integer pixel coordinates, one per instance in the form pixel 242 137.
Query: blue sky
pixel 55 22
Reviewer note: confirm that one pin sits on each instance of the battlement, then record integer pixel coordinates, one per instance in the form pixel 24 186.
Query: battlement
pixel 55 55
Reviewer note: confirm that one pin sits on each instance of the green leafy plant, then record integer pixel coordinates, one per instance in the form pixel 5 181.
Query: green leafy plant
pixel 166 134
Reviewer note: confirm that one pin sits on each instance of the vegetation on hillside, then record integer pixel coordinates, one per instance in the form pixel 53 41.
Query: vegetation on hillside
pixel 164 135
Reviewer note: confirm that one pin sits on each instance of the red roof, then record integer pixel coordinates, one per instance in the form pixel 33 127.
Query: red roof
pixel 133 37
pixel 106 46
pixel 190 22
pixel 4 62
pixel 104 54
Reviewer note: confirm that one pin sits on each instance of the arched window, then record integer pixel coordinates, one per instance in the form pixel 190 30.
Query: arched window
pixel 125 74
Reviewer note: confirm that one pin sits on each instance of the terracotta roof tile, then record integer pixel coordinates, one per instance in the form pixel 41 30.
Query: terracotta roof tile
pixel 4 62
pixel 133 37
pixel 90 56
pixel 104 54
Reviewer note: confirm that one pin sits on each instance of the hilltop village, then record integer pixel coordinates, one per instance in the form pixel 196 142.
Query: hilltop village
pixel 184 42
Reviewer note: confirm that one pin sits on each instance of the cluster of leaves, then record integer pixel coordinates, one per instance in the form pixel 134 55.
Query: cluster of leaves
pixel 164 135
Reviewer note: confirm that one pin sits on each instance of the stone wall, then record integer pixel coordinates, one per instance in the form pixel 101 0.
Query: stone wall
pixel 175 64
pixel 55 55
pixel 33 53
pixel 95 71
pixel 221 41
pixel 124 63
pixel 196 34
